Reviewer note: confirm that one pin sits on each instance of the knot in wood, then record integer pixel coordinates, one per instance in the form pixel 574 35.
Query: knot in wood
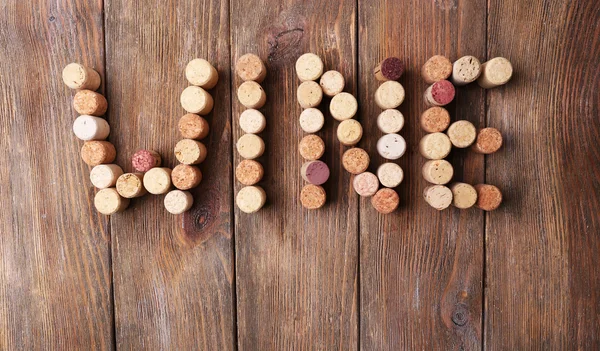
pixel 460 316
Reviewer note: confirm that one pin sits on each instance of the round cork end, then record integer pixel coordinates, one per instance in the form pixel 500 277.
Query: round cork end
pixel 250 199
pixel 250 67
pixel 464 195
pixel 495 72
pixel 144 160
pixel 250 146
pixel 96 152
pixel 130 185
pixel 192 126
pixel 391 146
pixel 489 140
pixel 249 172
pixel 349 132
pixel 462 134
pixel 77 76
pixel 365 184
pixel 332 83
pixel 390 174
pixel 438 196
pixel 309 67
pixel 390 94
pixel 315 172
pixel 185 177
pixel 343 106
pixel 105 176
pixel 196 100
pixel 177 201
pixel 435 146
pixel 201 73
pixel 311 120
pixel 385 201
pixel 390 121
pixel 439 93
pixel 489 197
pixel 157 180
pixel 309 94
pixel 436 68
pixel 355 160
pixel 251 95
pixel 87 102
pixel 391 68
pixel 313 196
pixel 435 119
pixel 108 201
pixel 88 127
pixel 438 172
pixel 252 121
pixel 190 152
pixel 311 147
pixel 465 70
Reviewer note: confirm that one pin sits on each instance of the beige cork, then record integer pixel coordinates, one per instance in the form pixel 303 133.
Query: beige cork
pixel 311 120
pixel 309 94
pixel 177 201
pixel 462 133
pixel 130 185
pixel 196 100
pixel 464 195
pixel 489 140
pixel 343 106
pixel 332 83
pixel 250 199
pixel 192 126
pixel 251 95
pixel 78 76
pixel 311 147
pixel 250 146
pixel 108 201
pixel 465 70
pixel 355 160
pixel 390 94
pixel 438 172
pixel 495 72
pixel 436 68
pixel 435 119
pixel 250 67
pixel 313 197
pixel 391 146
pixel 309 67
pixel 105 176
pixel 158 180
pixel 390 121
pixel 390 174
pixel 87 102
pixel 96 152
pixel 438 196
pixel 365 184
pixel 88 127
pixel 201 73
pixel 349 132
pixel 190 152
pixel 249 172
pixel 489 197
pixel 252 121
pixel 185 177
pixel 385 201
pixel 435 146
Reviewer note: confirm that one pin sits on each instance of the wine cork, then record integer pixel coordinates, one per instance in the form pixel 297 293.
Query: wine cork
pixel 315 172
pixel 250 146
pixel 311 120
pixel 251 95
pixel 438 172
pixel 390 174
pixel 389 69
pixel 390 121
pixel 190 152
pixel 313 196
pixel 489 197
pixel 88 127
pixel 355 160
pixel 390 94
pixel 250 67
pixel 438 196
pixel 436 68
pixel 343 106
pixel 365 184
pixel 177 201
pixel 87 102
pixel 185 177
pixel 391 146
pixel 463 195
pixel 249 172
pixel 311 147
pixel 78 76
pixel 332 83
pixel 192 126
pixel 144 160
pixel 489 140
pixel 440 93
pixel 435 119
pixel 108 201
pixel 309 67
pixel 435 146
pixel 465 70
pixel 462 133
pixel 130 185
pixel 495 72
pixel 157 180
pixel 105 176
pixel 385 200
pixel 252 121
pixel 349 132
pixel 97 152
pixel 250 199
pixel 196 100
pixel 201 73
pixel 309 94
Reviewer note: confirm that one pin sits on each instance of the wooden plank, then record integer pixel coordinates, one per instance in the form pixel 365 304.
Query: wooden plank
pixel 420 269
pixel 55 274
pixel 542 245
pixel 296 269
pixel 173 275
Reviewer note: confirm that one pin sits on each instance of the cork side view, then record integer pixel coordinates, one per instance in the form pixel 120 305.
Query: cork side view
pixel 88 127
pixel 201 73
pixel 157 180
pixel 130 185
pixel 311 120
pixel 390 174
pixel 251 95
pixel 465 70
pixel 77 76
pixel 355 160
pixel 390 94
pixel 250 67
pixel 190 152
pixel 385 201
pixel 250 146
pixel 489 140
pixel 390 68
pixel 435 119
pixel 186 177
pixel 436 68
pixel 250 199
pixel 309 94
pixel 193 126
pixel 252 121
pixel 96 152
pixel 343 106
pixel 349 132
pixel 309 67
pixel 144 160
pixel 463 195
pixel 489 197
pixel 87 102
pixel 311 147
pixel 105 176
pixel 196 100
pixel 390 121
pixel 462 133
pixel 495 72
pixel 435 146
pixel 440 93
pixel 332 83
pixel 438 196
pixel 315 172
pixel 249 172
pixel 108 201
pixel 365 184
pixel 438 172
pixel 178 201
pixel 312 196
pixel 391 146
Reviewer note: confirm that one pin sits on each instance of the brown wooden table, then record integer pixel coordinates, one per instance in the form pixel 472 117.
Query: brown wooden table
pixel 525 277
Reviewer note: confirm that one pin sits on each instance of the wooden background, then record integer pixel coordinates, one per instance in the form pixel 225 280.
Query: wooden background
pixel 525 277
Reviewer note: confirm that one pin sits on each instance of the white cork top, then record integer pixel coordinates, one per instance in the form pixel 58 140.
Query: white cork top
pixel 343 106
pixel 88 127
pixel 309 67
pixel 311 120
pixel 178 201
pixel 390 121
pixel 252 121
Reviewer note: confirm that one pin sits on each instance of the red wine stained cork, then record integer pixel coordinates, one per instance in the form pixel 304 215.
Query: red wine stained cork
pixel 158 180
pixel 250 67
pixel 355 160
pixel 177 201
pixel 465 70
pixel 435 119
pixel 315 172
pixel 439 93
pixel 249 172
pixel 196 100
pixel 390 121
pixel 436 68
pixel 435 146
pixel 144 160
pixel 88 127
pixel 311 120
pixel 105 176
pixel 250 146
pixel 201 73
pixel 349 132
pixel 365 184
pixel 438 172
pixel 390 94
pixel 389 69
pixel 462 133
pixel 108 201
pixel 190 152
pixel 332 83
pixel 343 106
pixel 311 147
pixel 309 94
pixel 96 152
pixel 489 140
pixel 385 200
pixel 463 195
pixel 185 177
pixel 438 196
pixel 252 121
pixel 391 146
pixel 313 196
pixel 390 174
pixel 78 76
pixel 489 197
pixel 495 72
pixel 130 185
pixel 87 102
pixel 309 67
pixel 251 95
pixel 250 199
pixel 192 126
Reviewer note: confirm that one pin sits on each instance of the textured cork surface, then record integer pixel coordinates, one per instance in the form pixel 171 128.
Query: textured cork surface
pixel 108 201
pixel 385 200
pixel 311 120
pixel 190 152
pixel 311 147
pixel 315 172
pixel 309 67
pixel 438 172
pixel 438 196
pixel 436 68
pixel 250 146
pixel 250 199
pixel 355 160
pixel 252 121
pixel 313 196
pixel 463 195
pixel 105 176
pixel 465 70
pixel 193 126
pixel 435 146
pixel 365 184
pixel 130 185
pixel 250 67
pixel 309 94
pixel 196 100
pixel 349 132
pixel 343 106
pixel 87 102
pixel 495 72
pixel 390 68
pixel 390 121
pixel 390 174
pixel 201 73
pixel 88 127
pixel 144 160
pixel 435 119
pixel 389 94
pixel 462 133
pixel 489 140
pixel 96 152
pixel 391 146
pixel 157 180
pixel 77 76
pixel 249 172
pixel 185 177
pixel 177 201
pixel 332 83
pixel 489 197
pixel 251 95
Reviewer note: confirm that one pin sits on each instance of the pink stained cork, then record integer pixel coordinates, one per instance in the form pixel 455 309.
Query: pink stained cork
pixel 439 93
pixel 144 160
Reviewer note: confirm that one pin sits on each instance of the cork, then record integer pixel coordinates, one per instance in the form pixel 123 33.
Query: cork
pixel 332 83
pixel 439 93
pixel 196 100
pixel 385 200
pixel 390 94
pixel 108 201
pixel 311 147
pixel 355 160
pixel 462 134
pixel 97 152
pixel 489 140
pixel 192 126
pixel 309 67
pixel 309 94
pixel 185 177
pixel 389 69
pixel 313 196
pixel 190 152
pixel 158 180
pixel 435 119
pixel 201 73
pixel 390 121
pixel 130 185
pixel 365 184
pixel 463 195
pixel 489 197
pixel 438 196
pixel 251 95
pixel 105 176
pixel 495 72
pixel 438 172
pixel 250 199
pixel 465 70
pixel 435 146
pixel 177 201
pixel 391 146
pixel 315 172
pixel 249 172
pixel 87 102
pixel 250 146
pixel 252 121
pixel 77 76
pixel 250 67
pixel 390 174
pixel 88 127
pixel 144 160
pixel 349 132
pixel 436 68
pixel 311 120
pixel 343 106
